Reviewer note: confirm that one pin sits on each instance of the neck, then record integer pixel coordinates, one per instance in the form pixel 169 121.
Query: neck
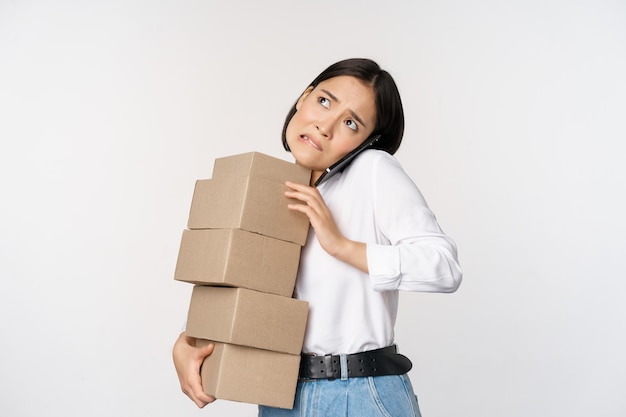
pixel 314 176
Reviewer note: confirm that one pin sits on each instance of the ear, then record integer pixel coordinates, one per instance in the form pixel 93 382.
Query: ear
pixel 303 96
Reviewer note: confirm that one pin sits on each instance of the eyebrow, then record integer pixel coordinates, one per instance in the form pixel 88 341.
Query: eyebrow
pixel 356 116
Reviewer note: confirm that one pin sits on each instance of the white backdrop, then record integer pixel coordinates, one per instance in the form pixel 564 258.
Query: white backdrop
pixel 109 111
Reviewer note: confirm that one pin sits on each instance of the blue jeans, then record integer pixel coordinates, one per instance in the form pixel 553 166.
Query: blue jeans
pixel 381 396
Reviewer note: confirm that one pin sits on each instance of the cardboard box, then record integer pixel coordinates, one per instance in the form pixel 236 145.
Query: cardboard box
pixel 248 318
pixel 255 202
pixel 237 258
pixel 250 375
pixel 260 165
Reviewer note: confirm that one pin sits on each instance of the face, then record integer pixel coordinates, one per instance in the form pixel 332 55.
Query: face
pixel 331 120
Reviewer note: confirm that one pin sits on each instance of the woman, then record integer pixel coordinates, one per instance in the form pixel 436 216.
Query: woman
pixel 372 235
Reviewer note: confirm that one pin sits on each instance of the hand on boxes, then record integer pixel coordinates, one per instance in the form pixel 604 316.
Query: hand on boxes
pixel 242 250
pixel 188 360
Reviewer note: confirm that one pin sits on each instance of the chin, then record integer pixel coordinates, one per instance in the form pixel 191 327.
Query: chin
pixel 305 162
pixel 302 155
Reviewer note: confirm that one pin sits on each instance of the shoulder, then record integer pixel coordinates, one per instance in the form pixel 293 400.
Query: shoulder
pixel 371 169
pixel 383 173
pixel 374 162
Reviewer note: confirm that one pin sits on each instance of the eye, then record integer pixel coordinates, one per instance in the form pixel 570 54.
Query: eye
pixel 352 124
pixel 324 101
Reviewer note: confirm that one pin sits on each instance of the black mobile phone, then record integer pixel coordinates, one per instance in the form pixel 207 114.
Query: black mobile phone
pixel 343 162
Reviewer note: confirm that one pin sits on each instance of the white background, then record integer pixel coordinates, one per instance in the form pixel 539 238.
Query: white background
pixel 109 111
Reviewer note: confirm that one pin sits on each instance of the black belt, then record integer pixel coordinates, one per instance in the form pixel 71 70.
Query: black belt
pixel 378 362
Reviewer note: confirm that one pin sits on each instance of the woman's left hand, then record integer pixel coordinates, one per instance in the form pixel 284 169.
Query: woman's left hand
pixel 328 234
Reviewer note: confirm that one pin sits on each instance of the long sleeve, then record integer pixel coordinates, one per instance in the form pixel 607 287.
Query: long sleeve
pixel 412 252
pixel 375 202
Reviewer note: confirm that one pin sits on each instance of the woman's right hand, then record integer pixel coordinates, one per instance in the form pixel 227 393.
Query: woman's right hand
pixel 188 359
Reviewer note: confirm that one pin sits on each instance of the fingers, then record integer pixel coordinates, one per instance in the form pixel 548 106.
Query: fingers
pixel 295 185
pixel 194 385
pixel 314 207
pixel 205 351
pixel 188 360
pixel 305 189
pixel 300 191
pixel 308 195
pixel 193 389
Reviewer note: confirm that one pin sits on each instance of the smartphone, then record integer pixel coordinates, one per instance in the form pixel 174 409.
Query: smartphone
pixel 345 161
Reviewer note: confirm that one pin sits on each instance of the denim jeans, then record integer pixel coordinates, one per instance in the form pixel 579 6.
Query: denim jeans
pixel 381 396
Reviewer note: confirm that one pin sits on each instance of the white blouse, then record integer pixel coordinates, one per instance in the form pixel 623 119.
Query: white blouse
pixel 375 202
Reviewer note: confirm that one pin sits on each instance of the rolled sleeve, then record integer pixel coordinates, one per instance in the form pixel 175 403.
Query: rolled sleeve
pixel 411 253
pixel 414 267
pixel 383 262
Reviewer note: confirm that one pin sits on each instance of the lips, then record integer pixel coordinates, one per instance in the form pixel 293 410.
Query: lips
pixel 311 141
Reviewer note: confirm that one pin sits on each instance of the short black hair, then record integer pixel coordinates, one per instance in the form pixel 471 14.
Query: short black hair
pixel 389 111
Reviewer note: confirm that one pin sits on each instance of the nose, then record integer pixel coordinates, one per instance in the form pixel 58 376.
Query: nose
pixel 325 126
pixel 322 129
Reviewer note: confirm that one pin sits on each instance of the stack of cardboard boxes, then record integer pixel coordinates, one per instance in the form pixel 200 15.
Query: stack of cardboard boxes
pixel 242 248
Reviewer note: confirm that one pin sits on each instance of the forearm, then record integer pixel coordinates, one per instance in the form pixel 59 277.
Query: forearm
pixel 353 253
